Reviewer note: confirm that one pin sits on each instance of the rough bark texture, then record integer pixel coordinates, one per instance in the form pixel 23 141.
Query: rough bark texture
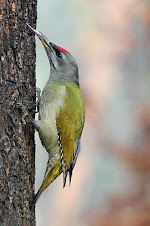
pixel 17 84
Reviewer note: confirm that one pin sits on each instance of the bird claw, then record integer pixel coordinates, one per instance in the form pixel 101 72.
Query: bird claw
pixel 24 112
pixel 38 90
pixel 38 93
pixel 38 96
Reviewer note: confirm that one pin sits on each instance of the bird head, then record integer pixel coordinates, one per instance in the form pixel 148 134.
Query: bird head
pixel 63 66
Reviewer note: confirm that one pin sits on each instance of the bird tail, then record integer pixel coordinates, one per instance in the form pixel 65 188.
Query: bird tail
pixel 48 179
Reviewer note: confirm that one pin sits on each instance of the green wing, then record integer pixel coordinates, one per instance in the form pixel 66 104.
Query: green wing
pixel 70 123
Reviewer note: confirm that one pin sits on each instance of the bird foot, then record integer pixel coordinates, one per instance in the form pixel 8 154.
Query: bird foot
pixel 38 96
pixel 24 112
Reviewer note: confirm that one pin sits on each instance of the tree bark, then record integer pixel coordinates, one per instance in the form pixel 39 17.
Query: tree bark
pixel 17 84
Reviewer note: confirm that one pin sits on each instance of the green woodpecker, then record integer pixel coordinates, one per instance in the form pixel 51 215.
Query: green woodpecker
pixel 61 114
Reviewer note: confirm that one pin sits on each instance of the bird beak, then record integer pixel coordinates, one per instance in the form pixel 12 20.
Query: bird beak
pixel 46 43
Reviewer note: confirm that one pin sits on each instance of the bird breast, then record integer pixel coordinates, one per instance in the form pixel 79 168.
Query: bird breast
pixel 52 99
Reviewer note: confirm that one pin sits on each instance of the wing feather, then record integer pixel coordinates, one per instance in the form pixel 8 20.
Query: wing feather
pixel 70 122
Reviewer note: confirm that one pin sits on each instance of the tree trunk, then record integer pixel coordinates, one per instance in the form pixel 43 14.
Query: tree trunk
pixel 17 84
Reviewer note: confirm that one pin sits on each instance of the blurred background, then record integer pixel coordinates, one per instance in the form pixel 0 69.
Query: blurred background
pixel 110 40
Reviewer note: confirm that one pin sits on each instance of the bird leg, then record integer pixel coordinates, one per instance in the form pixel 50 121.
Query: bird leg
pixel 38 97
pixel 36 124
pixel 24 112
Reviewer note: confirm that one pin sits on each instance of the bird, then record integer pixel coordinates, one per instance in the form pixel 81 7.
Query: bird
pixel 61 114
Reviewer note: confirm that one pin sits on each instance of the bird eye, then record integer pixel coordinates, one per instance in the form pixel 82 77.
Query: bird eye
pixel 58 53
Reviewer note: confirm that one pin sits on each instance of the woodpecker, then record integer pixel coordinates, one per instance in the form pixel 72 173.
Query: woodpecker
pixel 61 114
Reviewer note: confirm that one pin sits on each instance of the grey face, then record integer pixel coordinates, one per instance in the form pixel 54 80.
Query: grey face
pixel 63 66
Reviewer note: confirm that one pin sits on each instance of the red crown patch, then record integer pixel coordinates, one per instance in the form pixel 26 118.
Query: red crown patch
pixel 63 50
